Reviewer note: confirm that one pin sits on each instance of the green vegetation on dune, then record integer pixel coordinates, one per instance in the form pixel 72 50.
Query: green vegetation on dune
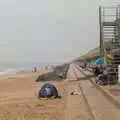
pixel 90 54
pixel 95 53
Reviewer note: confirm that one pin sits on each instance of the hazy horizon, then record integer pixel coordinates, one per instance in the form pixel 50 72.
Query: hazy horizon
pixel 48 31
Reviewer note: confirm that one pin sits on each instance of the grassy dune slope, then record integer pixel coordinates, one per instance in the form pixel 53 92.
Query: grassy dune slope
pixel 91 53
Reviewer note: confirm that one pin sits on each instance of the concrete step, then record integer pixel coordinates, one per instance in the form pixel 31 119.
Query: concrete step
pixel 76 108
pixel 101 107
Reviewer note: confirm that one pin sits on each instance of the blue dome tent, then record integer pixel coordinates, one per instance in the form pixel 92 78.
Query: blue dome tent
pixel 48 91
pixel 100 61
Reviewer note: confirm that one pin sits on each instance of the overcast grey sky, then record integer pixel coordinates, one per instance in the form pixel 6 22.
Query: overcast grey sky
pixel 48 30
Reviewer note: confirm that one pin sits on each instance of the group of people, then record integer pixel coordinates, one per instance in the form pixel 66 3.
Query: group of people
pixel 104 74
pixel 98 69
pixel 109 72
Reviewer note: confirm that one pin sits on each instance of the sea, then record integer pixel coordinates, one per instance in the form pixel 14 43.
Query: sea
pixel 13 68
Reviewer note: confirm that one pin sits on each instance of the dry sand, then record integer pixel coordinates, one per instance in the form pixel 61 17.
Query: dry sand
pixel 18 99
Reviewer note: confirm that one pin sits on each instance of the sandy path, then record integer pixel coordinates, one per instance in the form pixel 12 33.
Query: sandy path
pixel 76 107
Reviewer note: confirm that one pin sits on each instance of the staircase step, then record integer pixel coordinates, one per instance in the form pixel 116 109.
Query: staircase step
pixel 109 23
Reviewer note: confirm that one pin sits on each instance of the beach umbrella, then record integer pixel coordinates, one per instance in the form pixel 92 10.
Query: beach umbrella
pixel 100 61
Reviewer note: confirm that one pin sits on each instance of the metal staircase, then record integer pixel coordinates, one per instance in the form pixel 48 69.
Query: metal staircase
pixel 109 29
pixel 110 35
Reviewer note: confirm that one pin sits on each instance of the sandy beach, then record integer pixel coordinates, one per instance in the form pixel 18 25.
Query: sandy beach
pixel 18 99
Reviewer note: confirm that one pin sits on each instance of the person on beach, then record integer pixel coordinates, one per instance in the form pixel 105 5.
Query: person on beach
pixel 96 71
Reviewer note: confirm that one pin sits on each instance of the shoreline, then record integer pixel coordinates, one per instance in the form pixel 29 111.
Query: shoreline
pixel 22 74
